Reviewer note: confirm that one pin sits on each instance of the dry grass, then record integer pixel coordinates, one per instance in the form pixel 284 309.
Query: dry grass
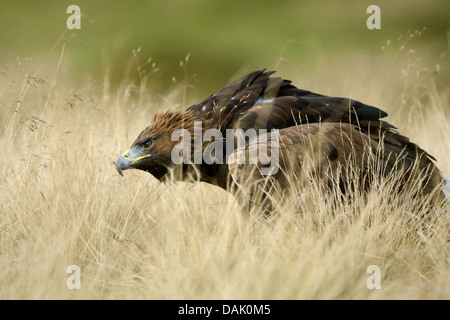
pixel 62 203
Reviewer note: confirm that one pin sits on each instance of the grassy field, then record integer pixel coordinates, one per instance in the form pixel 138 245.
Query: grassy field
pixel 62 202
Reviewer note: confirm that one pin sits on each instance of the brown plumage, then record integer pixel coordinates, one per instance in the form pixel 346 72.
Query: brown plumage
pixel 322 135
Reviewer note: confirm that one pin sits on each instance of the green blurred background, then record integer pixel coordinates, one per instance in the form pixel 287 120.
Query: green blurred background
pixel 223 38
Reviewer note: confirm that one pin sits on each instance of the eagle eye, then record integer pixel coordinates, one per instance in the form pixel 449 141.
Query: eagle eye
pixel 147 144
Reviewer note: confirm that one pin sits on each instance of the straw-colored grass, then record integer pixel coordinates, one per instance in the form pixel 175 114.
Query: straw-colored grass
pixel 62 202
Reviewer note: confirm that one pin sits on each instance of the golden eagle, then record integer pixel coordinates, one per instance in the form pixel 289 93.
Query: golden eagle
pixel 329 136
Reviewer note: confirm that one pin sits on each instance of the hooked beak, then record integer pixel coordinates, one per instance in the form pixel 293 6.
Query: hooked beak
pixel 125 161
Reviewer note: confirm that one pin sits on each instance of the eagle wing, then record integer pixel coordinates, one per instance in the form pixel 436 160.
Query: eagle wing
pixel 313 151
pixel 259 101
pixel 340 154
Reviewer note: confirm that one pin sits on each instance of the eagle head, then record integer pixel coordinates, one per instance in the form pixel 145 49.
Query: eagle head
pixel 151 151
